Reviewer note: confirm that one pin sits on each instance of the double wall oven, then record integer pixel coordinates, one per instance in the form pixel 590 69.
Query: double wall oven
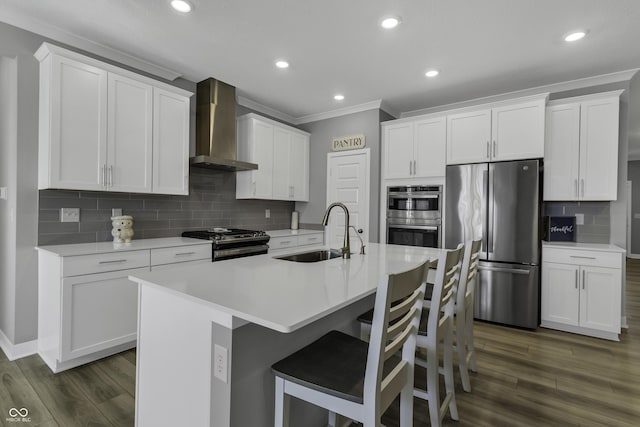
pixel 414 215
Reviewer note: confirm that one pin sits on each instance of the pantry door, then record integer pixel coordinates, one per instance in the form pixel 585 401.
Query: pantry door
pixel 348 182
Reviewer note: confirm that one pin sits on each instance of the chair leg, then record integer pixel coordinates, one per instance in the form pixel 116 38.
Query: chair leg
pixel 406 404
pixel 461 347
pixel 332 419
pixel 448 372
pixel 282 405
pixel 471 353
pixel 433 388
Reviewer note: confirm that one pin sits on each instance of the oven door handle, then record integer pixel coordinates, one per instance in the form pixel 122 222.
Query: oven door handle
pixel 414 227
pixel 412 196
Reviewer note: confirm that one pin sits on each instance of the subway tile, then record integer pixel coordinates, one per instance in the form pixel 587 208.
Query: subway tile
pixel 197 205
pixel 141 214
pixel 161 232
pixel 173 214
pixel 103 195
pixel 49 215
pixel 94 216
pixel 66 202
pixel 186 223
pixel 58 227
pixel 65 238
pixel 119 203
pixel 95 226
pixel 151 224
pixel 162 204
pixel 206 214
pixel 56 194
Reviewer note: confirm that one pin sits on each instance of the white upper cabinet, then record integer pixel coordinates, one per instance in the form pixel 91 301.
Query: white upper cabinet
pixel 282 155
pixel 72 124
pixel 581 148
pixel 170 142
pixel 129 134
pixel 507 131
pixel 108 129
pixel 414 148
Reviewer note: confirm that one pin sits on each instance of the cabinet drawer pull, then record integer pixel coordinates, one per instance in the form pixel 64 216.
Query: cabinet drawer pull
pixel 115 261
pixel 582 257
pixel 184 253
pixel 312 238
pixel 284 242
pixel 488 148
pixel 494 148
pixel 583 278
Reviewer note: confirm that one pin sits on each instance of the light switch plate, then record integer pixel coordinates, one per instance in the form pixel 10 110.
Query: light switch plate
pixel 70 215
pixel 579 219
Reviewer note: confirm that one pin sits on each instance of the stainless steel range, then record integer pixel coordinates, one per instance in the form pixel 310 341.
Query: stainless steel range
pixel 232 242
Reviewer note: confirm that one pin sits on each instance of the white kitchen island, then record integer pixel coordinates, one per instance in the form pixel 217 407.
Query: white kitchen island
pixel 208 334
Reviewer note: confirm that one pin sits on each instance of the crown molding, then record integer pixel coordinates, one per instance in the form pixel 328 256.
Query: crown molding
pixel 340 112
pixel 269 111
pixel 618 76
pixel 55 33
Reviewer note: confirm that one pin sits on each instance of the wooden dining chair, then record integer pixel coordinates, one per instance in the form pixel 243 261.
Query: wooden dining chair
pixel 351 377
pixel 435 334
pixel 463 312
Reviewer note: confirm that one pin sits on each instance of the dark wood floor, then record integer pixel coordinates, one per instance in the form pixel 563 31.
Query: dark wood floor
pixel 541 378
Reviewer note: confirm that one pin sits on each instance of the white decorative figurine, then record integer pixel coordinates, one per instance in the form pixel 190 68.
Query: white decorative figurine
pixel 122 231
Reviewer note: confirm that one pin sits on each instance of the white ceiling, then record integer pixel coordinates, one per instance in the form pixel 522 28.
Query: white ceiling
pixel 481 48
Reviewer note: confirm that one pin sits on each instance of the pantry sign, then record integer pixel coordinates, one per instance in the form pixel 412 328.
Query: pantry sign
pixel 352 142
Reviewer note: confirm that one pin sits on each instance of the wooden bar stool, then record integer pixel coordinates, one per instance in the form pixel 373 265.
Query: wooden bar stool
pixel 350 377
pixel 435 333
pixel 438 331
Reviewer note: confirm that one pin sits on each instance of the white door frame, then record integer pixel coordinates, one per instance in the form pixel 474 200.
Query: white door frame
pixel 367 185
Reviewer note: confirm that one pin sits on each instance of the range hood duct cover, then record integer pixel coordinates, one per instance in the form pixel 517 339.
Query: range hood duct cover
pixel 216 128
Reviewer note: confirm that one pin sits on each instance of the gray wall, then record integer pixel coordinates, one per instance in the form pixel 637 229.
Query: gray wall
pixel 20 282
pixel 322 132
pixel 211 203
pixel 634 177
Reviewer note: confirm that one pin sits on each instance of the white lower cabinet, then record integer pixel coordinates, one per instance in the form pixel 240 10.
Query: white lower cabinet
pixel 582 291
pixel 99 311
pixel 88 307
pixel 282 239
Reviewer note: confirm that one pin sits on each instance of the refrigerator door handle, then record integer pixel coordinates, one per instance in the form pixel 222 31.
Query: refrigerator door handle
pixel 505 270
pixel 490 213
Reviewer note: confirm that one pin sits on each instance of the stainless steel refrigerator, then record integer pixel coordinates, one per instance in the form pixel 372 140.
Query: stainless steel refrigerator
pixel 500 204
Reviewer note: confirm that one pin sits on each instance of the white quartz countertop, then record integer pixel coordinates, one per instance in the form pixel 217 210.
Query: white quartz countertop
pixel 110 247
pixel 287 232
pixel 602 247
pixel 285 295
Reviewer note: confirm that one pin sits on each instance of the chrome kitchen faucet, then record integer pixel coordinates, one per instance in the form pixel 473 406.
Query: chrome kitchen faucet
pixel 346 247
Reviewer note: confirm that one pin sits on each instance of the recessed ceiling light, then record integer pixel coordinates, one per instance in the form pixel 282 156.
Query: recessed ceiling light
pixel 390 22
pixel 181 6
pixel 432 73
pixel 575 36
pixel 338 97
pixel 282 64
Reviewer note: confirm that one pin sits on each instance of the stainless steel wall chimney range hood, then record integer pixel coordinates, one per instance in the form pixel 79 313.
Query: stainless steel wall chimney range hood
pixel 216 127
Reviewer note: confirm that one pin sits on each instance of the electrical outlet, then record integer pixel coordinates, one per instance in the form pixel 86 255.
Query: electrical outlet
pixel 267 213
pixel 69 214
pixel 116 212
pixel 220 362
pixel 579 219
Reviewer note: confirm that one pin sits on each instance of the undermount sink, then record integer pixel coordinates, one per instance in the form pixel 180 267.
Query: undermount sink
pixel 312 256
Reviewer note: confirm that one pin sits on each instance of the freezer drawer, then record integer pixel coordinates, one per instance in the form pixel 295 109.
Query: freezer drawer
pixel 508 294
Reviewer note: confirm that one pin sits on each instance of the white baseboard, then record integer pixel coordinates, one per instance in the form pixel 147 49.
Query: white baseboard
pixel 17 351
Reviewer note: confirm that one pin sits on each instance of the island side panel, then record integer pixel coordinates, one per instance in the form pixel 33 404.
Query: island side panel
pixel 174 381
pixel 256 348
